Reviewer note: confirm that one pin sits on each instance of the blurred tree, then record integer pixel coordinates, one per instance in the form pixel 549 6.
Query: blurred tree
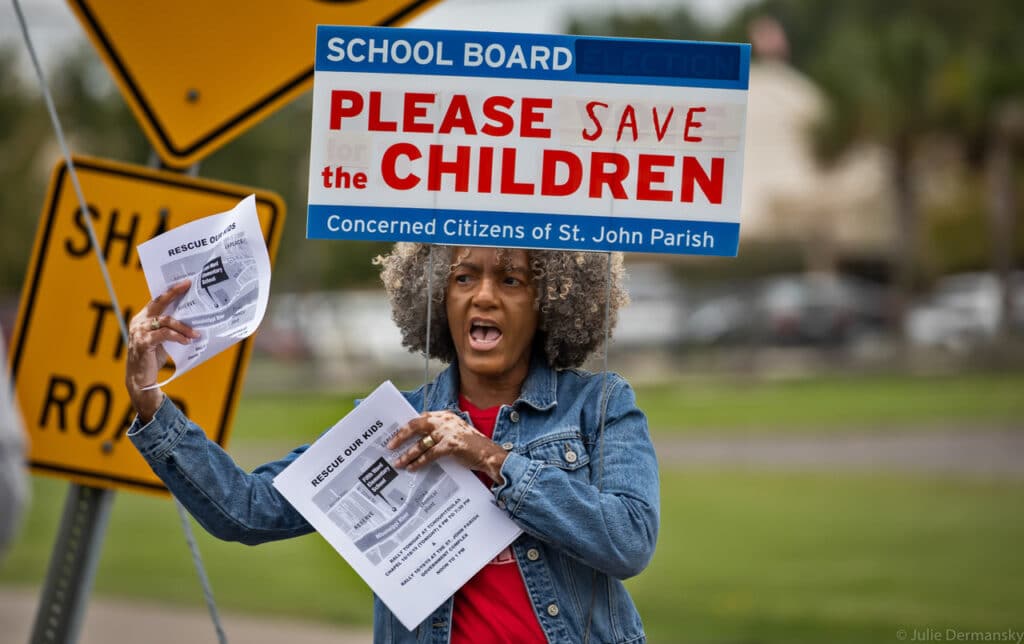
pixel 677 24
pixel 982 92
pixel 94 118
pixel 931 68
pixel 1004 142
pixel 23 138
pixel 93 115
pixel 880 79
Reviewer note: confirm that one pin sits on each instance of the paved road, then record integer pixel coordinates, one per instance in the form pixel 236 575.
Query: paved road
pixel 110 621
pixel 990 451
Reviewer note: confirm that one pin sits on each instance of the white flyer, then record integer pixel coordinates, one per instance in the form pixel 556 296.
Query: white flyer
pixel 226 258
pixel 414 537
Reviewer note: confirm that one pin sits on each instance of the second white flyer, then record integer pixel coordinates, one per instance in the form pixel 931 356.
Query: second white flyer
pixel 414 537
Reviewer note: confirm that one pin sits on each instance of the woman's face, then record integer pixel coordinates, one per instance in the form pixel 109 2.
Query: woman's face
pixel 491 315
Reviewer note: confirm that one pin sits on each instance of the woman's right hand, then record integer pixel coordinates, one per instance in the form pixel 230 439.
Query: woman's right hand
pixel 147 332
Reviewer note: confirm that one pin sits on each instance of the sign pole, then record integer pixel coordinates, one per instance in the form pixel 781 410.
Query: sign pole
pixel 72 565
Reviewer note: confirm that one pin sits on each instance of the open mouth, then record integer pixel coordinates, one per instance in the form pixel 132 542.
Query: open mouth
pixel 483 335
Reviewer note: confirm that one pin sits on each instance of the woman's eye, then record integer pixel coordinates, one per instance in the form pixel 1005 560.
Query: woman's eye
pixel 512 281
pixel 462 279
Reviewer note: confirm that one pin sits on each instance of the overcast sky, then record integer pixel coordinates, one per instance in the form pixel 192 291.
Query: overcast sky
pixel 54 29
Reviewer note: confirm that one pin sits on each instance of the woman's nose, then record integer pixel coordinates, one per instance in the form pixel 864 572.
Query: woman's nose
pixel 485 293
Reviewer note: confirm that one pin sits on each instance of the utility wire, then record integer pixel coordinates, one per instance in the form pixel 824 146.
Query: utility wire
pixel 83 206
pixel 204 581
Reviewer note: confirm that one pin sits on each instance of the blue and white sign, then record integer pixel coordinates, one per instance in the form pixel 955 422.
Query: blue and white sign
pixel 529 141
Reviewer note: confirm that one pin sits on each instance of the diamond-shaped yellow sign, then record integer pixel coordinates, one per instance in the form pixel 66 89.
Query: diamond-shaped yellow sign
pixel 197 74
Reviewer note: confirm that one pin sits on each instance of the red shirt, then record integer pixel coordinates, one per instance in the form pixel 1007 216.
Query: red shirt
pixel 493 606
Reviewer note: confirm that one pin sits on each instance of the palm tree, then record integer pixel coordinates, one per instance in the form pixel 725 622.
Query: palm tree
pixel 1006 138
pixel 982 96
pixel 879 81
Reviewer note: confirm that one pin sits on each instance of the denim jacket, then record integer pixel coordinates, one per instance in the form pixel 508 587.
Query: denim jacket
pixel 589 509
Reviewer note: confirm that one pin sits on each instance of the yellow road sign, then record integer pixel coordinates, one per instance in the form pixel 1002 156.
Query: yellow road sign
pixel 67 356
pixel 197 74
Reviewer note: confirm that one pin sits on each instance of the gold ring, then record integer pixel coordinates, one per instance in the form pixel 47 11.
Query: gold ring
pixel 427 442
pixel 154 324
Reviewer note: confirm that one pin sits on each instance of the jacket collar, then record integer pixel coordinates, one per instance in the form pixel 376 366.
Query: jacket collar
pixel 539 388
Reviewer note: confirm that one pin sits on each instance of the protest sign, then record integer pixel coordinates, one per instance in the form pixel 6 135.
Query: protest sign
pixel 531 141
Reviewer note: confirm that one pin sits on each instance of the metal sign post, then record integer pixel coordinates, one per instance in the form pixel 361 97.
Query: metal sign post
pixel 73 565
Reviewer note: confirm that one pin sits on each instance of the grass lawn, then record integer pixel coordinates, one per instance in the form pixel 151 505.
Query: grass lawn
pixel 145 556
pixel 832 402
pixel 748 557
pixel 742 557
pixel 807 405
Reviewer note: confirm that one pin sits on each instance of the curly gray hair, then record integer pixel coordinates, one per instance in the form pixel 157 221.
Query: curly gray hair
pixel 571 289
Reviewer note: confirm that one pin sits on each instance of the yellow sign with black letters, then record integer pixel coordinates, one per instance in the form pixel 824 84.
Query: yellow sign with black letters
pixel 67 355
pixel 197 74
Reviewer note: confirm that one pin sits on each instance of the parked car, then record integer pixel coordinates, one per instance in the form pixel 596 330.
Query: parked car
pixel 656 312
pixel 963 311
pixel 803 309
pixel 722 317
pixel 819 309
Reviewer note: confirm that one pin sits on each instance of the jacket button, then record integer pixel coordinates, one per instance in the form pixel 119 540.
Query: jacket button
pixel 514 416
pixel 553 610
pixel 533 555
pixel 507 446
pixel 570 456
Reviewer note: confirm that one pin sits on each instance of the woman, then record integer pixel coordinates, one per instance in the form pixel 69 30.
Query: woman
pixel 511 406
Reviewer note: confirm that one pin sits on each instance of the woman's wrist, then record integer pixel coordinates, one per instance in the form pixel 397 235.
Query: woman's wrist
pixel 146 403
pixel 493 461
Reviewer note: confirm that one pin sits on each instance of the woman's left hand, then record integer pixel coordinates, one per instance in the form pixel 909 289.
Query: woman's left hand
pixel 443 433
